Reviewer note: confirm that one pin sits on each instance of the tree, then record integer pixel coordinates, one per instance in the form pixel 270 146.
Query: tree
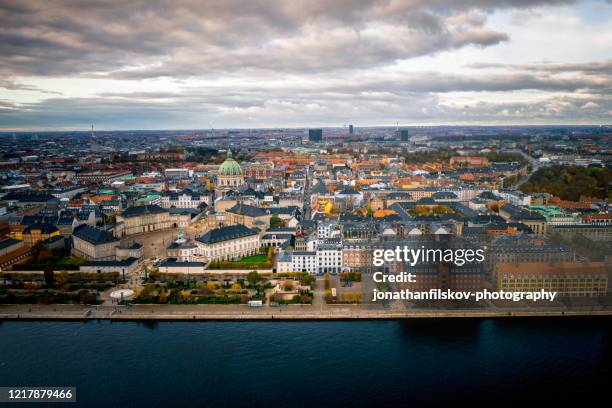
pixel 275 221
pixel 154 275
pixel 49 275
pixel 40 253
pixel 307 279
pixel 270 256
pixel 253 278
pixel 63 278
pixel 570 182
pixel 163 296
pixel 87 297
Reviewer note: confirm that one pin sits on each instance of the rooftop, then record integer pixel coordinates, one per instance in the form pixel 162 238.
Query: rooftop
pixel 93 235
pixel 229 233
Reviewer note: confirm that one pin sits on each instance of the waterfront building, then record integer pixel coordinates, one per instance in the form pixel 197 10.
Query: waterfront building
pixel 568 279
pixel 329 256
pixel 524 248
pixel 123 267
pixel 284 262
pixel 357 256
pixel 176 266
pixel 435 274
pixel 304 261
pixel 226 243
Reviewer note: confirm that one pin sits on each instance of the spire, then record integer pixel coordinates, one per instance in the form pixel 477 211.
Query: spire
pixel 230 155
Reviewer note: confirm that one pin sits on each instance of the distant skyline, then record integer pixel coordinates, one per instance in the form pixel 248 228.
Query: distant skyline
pixel 149 64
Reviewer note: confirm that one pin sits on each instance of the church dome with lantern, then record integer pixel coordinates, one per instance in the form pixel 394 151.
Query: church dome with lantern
pixel 230 175
pixel 230 166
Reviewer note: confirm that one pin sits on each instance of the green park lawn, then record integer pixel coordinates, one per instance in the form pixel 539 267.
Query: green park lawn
pixel 253 259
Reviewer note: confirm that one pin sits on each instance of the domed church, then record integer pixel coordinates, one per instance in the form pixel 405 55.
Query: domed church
pixel 230 175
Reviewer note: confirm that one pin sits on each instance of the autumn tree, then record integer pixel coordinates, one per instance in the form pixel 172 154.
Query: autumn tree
pixel 275 221
pixel 49 275
pixel 62 278
pixel 253 278
pixel 163 296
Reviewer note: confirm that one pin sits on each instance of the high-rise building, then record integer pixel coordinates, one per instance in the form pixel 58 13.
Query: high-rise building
pixel 351 129
pixel 402 134
pixel 315 135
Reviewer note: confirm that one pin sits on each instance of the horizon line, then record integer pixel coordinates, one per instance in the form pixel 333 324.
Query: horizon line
pixel 88 130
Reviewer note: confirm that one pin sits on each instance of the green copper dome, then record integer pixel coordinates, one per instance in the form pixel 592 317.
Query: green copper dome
pixel 230 167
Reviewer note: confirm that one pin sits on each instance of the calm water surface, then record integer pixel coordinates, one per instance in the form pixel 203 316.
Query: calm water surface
pixel 294 364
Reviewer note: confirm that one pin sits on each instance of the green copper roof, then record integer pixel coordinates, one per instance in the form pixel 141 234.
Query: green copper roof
pixel 230 167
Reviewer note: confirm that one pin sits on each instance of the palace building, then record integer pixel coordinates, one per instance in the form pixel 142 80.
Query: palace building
pixel 226 243
pixel 144 218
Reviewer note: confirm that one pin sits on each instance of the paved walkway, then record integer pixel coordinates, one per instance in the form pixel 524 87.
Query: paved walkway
pixel 241 312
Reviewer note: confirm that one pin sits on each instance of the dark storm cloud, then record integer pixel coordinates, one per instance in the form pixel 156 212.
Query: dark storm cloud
pixel 277 62
pixel 374 101
pixel 604 67
pixel 109 113
pixel 425 82
pixel 192 38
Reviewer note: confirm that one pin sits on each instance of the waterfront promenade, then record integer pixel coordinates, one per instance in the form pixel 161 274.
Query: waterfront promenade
pixel 223 312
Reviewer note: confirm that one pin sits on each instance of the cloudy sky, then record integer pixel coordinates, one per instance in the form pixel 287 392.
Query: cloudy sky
pixel 147 64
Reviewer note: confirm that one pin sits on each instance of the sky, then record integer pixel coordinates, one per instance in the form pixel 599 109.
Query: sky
pixel 186 64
